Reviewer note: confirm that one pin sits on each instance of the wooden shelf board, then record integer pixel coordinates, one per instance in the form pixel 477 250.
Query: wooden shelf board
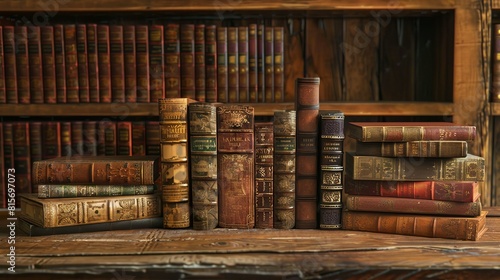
pixel 495 109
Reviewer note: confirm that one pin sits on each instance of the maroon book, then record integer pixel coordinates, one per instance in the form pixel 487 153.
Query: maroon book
pixel 22 157
pixel 51 139
pixel 71 62
pixel 222 71
pixel 9 49
pixel 117 63
pixel 157 85
pixel 253 81
pixel 232 65
pixel 48 64
pixel 92 60
pixel 60 58
pixel 199 63
pixel 35 64
pixel 22 64
pixel 268 62
pixel 104 68
pixel 211 63
pixel 243 65
pixel 172 61
pixel 129 56
pixel 83 67
pixel 188 88
pixel 142 62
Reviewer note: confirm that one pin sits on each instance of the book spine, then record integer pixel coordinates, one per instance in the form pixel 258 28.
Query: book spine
pixel 157 85
pixel 261 73
pixel 470 168
pixel 117 63
pixel 203 160
pixel 142 55
pixel 49 213
pixel 188 89
pixel 285 147
pixel 222 66
pixel 307 106
pixel 268 64
pixel 35 64
pixel 83 65
pixel 235 164
pixel 71 63
pixel 9 49
pixel 3 94
pixel 279 64
pixel 93 63
pixel 124 138
pixel 35 134
pixel 8 150
pixel 172 61
pixel 22 157
pixel 264 166
pixel 211 63
pixel 48 64
pixel 65 138
pixel 243 65
pixel 139 138
pixel 104 61
pixel 90 138
pixel 60 65
pixel 152 138
pixel 253 81
pixel 173 117
pixel 110 136
pixel 22 64
pixel 495 92
pixel 101 137
pixel 435 149
pixel 232 65
pixel 55 191
pixel 200 64
pixel 462 228
pixel 3 172
pixel 76 138
pixel 130 62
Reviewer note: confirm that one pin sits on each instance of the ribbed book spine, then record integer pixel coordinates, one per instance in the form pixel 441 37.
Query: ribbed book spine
pixel 172 61
pixel 83 70
pixel 48 64
pixel 232 65
pixel 199 59
pixel 22 64
pixel 62 190
pixel 35 64
pixel 222 66
pixel 187 52
pixel 211 63
pixel 264 167
pixel 203 160
pixel 71 56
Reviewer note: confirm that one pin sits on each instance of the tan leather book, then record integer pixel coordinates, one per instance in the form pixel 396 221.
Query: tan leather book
pixel 264 149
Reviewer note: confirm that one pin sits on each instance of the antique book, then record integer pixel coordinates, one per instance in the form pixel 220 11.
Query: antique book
pixel 462 228
pixel 7 156
pixel 331 160
pixel 409 131
pixel 77 138
pixel 279 64
pixel 129 63
pixel 92 62
pixel 222 67
pixel 203 160
pixel 35 135
pixel 81 190
pixel 22 157
pixel 199 63
pixel 423 148
pixel 71 63
pixel 60 65
pixel 103 61
pixel 284 134
pixel 260 64
pixel 470 168
pixel 124 138
pixel 172 61
pixel 243 65
pixel 35 64
pixel 117 63
pixel 173 116
pixel 495 77
pixel 89 138
pixel 66 149
pixel 139 138
pixel 142 62
pixel 3 171
pixel 110 143
pixel 82 55
pixel 56 212
pixel 48 63
pixel 306 177
pixel 32 230
pixel 3 96
pixel 188 88
pixel 156 65
pixel 9 49
pixel 232 65
pixel 22 64
pixel 253 81
pixel 264 166
pixel 235 166
pixel 268 64
pixel 153 138
pixel 104 170
pixel 211 63
pixel 460 191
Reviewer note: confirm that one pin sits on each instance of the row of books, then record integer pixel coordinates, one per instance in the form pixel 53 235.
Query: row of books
pixel 72 63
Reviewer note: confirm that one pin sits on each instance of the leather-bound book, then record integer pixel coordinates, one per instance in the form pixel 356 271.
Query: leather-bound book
pixel 103 60
pixel 152 138
pixel 331 160
pixel 142 59
pixel 451 227
pixel 3 96
pixel 124 138
pixel 243 65
pixel 222 67
pixel 199 63
pixel 77 138
pixel 253 81
pixel 9 49
pixel 260 64
pixel 188 88
pixel 436 148
pixel 139 138
pixel 22 157
pixel 71 57
pixel 268 64
pixel 279 64
pixel 264 166
pixel 60 65
pixel 83 70
pixel 35 134
pixel 306 186
pixel 35 64
pixel 110 143
pixel 495 81
pixel 156 65
pixel 211 63
pixel 22 64
pixel 232 65
pixel 284 142
pixel 173 117
pixel 66 138
pixel 92 60
pixel 88 190
pixel 203 160
pixel 172 61
pixel 103 170
pixel 235 164
pixel 51 139
pixel 117 63
pixel 129 60
pixel 3 173
pixel 56 212
pixel 90 138
pixel 48 63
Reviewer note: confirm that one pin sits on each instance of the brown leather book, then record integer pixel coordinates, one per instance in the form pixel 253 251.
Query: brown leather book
pixel 83 70
pixel 199 61
pixel 56 212
pixel 71 63
pixel 117 63
pixel 260 64
pixel 139 138
pixel 22 157
pixel 51 139
pixel 306 185
pixel 188 88
pixel 110 142
pixel 35 135
pixel 48 63
pixel 90 138
pixel 268 64
pixel 211 63
pixel 152 138
pixel 35 64
pixel 462 228
pixel 104 170
pixel 103 58
pixel 470 168
pixel 437 148
pixel 172 61
pixel 92 62
pixel 235 164
pixel 460 191
pixel 243 65
pixel 142 56
pixel 156 57
pixel 203 160
pixel 253 81
pixel 83 190
pixel 232 65
pixel 9 49
pixel 495 81
pixel 129 58
pixel 3 96
pixel 264 166
pixel 222 66
pixel 124 138
pixel 77 138
pixel 22 64
pixel 66 138
pixel 279 64
pixel 409 131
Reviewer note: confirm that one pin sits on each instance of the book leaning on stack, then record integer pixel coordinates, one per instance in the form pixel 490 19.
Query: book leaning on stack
pixel 92 193
pixel 414 178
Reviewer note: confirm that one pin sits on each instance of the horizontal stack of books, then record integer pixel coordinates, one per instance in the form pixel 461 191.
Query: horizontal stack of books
pixel 92 193
pixel 414 179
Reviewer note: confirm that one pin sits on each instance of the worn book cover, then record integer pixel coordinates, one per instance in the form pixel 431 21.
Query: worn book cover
pixel 64 190
pixel 424 148
pixel 264 171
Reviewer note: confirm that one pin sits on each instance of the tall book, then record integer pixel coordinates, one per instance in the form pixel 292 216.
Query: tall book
pixel 285 147
pixel 268 64
pixel 66 138
pixel 89 190
pixel 77 138
pixel 22 157
pixel 3 173
pixel 203 160
pixel 103 170
pixel 139 138
pixel 48 64
pixel 260 63
pixel 211 63
pixel 470 168
pixel 129 63
pixel 232 65
pixel 9 49
pixel 495 81
pixel 253 81
pixel 142 65
pixel 22 64
pixel 200 63
pixel 60 64
pixel 173 117
pixel 104 63
pixel 55 212
pixel 409 131
pixel 279 64
pixel 35 134
pixel 35 64
pixel 90 138
pixel 307 107
pixel 424 148
pixel 124 138
pixel 7 159
pixel 110 141
pixel 264 166
pixel 157 86
pixel 117 63
pixel 92 62
pixel 243 65
pixel 71 62
pixel 172 61
pixel 3 96
pixel 331 161
pixel 222 66
pixel 188 88
pixel 461 228
pixel 235 164
pixel 83 65
pixel 153 138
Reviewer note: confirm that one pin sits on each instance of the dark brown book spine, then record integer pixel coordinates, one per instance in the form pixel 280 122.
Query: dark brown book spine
pixel 253 81
pixel 285 147
pixel 261 81
pixel 66 138
pixel 264 166
pixel 104 63
pixel 157 85
pixel 4 173
pixel 71 62
pixel 3 95
pixel 101 137
pixel 51 139
pixel 35 134
pixel 139 138
pixel 152 138
pixel 203 160
pixel 35 64
pixel 243 65
pixel 142 56
pixel 188 89
pixel 235 164
pixel 93 63
pixel 90 138
pixel 307 106
pixel 199 54
pixel 232 65
pixel 268 64
pixel 60 61
pixel 130 62
pixel 8 147
pixel 110 135
pixel 172 61
pixel 83 65
pixel 9 49
pixel 76 138
pixel 48 64
pixel 124 138
pixel 279 64
pixel 222 66
pixel 211 63
pixel 441 149
pixel 495 81
pixel 22 157
pixel 22 64
pixel 117 63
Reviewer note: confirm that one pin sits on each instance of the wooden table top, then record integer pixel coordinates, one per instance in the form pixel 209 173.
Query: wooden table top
pixel 246 254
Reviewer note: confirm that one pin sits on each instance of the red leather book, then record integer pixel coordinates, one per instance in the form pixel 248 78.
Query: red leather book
pixel 48 64
pixel 104 61
pixel 9 49
pixel 199 61
pixel 35 64
pixel 124 138
pixel 89 138
pixel 172 61
pixel 51 139
pixel 93 62
pixel 211 63
pixel 22 64
pixel 264 173
pixel 268 64
pixel 129 59
pixel 22 157
pixel 60 61
pixel 243 65
pixel 101 138
pixel 83 66
pixel 3 96
pixel 139 138
pixel 188 88
pixel 71 62
pixel 142 56
pixel 279 64
pixel 157 87
pixel 222 66
pixel 117 63
pixel 253 82
pixel 232 65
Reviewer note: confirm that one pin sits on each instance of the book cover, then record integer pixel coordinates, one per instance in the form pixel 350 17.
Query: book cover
pixel 117 63
pixel 3 95
pixel 172 61
pixel 142 65
pixel 93 63
pixel 90 138
pixel 48 63
pixel 424 148
pixel 35 64
pixel 104 63
pixel 129 63
pixel 268 64
pixel 77 138
pixel 9 49
pixel 66 149
pixel 81 190
pixel 71 63
pixel 83 65
pixel 187 53
pixel 156 53
pixel 200 64
pixel 124 138
pixel 243 65
pixel 279 64
pixel 22 64
pixel 260 64
pixel 253 80
pixel 264 166
pixel 153 138
pixel 232 65
pixel 56 212
pixel 139 138
pixel 222 65
pixel 22 157
pixel 211 63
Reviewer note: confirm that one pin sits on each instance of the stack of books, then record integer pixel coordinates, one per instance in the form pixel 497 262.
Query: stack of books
pixel 414 178
pixel 92 193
